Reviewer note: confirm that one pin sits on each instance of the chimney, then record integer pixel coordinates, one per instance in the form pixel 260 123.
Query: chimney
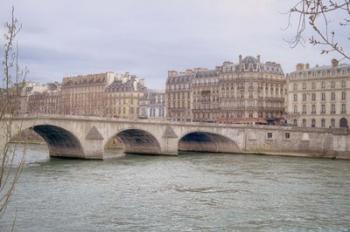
pixel 240 58
pixel 189 71
pixel 172 73
pixel 299 67
pixel 258 57
pixel 335 63
pixel 307 66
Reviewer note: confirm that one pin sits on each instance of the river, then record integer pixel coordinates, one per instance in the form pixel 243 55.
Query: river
pixel 191 192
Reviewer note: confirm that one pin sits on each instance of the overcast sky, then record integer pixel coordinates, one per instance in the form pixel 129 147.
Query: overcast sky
pixel 149 37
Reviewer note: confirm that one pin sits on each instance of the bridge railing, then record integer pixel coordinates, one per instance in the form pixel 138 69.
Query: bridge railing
pixel 340 131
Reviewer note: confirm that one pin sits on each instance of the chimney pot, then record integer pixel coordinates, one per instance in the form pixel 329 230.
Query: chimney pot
pixel 335 63
pixel 299 67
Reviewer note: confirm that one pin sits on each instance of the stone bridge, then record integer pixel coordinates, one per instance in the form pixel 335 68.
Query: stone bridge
pixel 86 137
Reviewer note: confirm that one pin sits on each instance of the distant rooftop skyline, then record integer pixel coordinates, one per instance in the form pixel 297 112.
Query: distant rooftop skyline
pixel 148 38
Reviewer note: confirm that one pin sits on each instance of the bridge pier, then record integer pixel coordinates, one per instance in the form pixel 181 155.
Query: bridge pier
pixel 169 142
pixel 65 152
pixel 169 146
pixel 93 144
pixel 93 150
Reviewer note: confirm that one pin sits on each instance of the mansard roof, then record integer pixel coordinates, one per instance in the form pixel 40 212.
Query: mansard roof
pixel 328 67
pixel 125 86
pixel 180 78
pixel 206 73
pixel 320 71
pixel 99 78
pixel 250 59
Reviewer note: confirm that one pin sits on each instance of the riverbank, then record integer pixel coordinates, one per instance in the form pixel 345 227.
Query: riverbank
pixel 28 142
pixel 115 150
pixel 305 155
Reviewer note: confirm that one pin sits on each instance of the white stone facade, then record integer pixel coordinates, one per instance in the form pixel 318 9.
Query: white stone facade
pixel 248 92
pixel 152 106
pixel 319 96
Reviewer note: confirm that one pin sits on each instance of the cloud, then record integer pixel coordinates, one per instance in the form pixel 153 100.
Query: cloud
pixel 147 38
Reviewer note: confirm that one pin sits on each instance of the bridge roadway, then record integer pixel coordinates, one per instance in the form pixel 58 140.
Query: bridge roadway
pixel 86 137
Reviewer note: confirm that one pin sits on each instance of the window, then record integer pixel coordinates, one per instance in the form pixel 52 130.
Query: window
pixel 304 109
pixel 313 122
pixel 295 97
pixel 332 108
pixel 313 85
pixel 287 135
pixel 323 109
pixel 269 135
pixel 304 85
pixel 323 96
pixel 304 96
pixel 313 97
pixel 295 86
pixel 313 109
pixel 343 108
pixel 323 85
pixel 323 123
pixel 343 95
pixel 343 84
pixel 332 84
pixel 295 122
pixel 343 123
pixel 304 122
pixel 295 109
pixel 333 96
pixel 332 122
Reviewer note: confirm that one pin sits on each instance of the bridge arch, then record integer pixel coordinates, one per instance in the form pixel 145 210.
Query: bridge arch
pixel 137 141
pixel 60 141
pixel 203 141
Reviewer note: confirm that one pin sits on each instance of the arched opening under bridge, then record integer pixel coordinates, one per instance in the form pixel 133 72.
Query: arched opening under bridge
pixel 207 142
pixel 60 142
pixel 134 141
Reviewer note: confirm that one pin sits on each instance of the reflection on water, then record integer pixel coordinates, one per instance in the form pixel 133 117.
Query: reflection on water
pixel 31 154
pixel 191 192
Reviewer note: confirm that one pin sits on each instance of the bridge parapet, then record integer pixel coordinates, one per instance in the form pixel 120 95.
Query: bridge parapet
pixel 90 135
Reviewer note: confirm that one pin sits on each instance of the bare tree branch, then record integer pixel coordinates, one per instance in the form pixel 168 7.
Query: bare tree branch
pixel 315 14
pixel 9 96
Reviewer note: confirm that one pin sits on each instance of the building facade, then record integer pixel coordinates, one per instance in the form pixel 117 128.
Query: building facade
pixel 17 99
pixel 152 105
pixel 205 95
pixel 319 96
pixel 85 94
pixel 105 95
pixel 45 100
pixel 247 92
pixel 251 91
pixel 123 95
pixel 178 95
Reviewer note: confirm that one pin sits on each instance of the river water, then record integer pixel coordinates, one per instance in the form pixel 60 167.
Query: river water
pixel 191 192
